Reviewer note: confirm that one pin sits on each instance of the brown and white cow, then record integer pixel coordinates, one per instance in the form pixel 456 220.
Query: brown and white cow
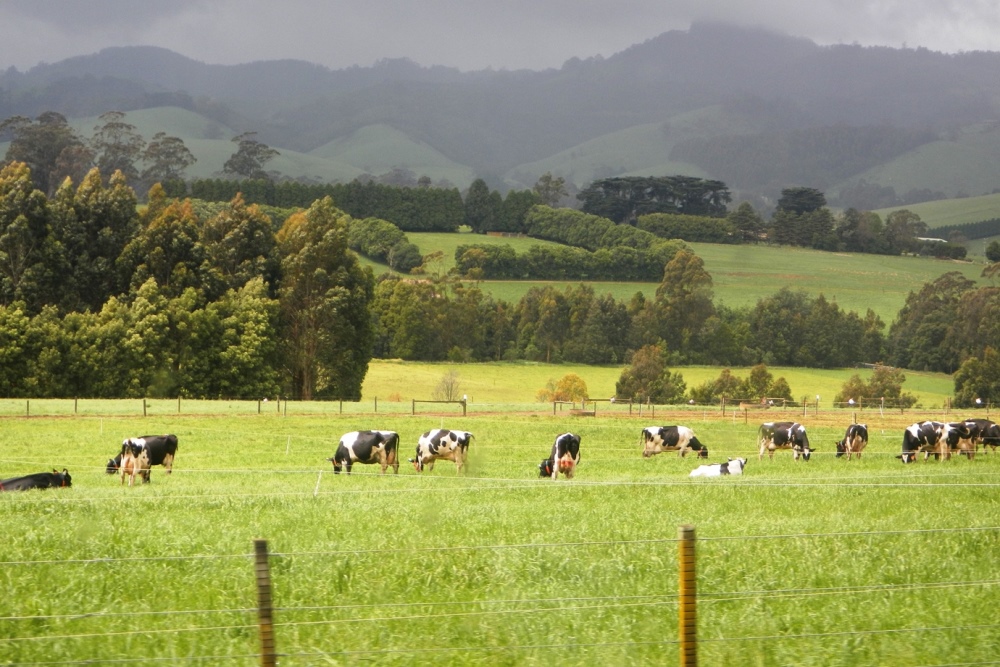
pixel 656 439
pixel 442 443
pixel 134 461
pixel 854 442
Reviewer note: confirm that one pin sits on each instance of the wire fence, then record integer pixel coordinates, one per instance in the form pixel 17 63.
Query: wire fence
pixel 346 620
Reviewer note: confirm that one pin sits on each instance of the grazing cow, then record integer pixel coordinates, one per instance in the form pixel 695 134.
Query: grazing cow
pixel 38 480
pixel 784 435
pixel 854 442
pixel 160 449
pixel 441 443
pixel 656 439
pixel 367 447
pixel 923 437
pixel 730 467
pixel 134 460
pixel 984 432
pixel 960 437
pixel 564 458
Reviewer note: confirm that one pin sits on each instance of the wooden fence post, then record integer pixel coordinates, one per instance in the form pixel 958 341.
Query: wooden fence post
pixel 268 657
pixel 688 595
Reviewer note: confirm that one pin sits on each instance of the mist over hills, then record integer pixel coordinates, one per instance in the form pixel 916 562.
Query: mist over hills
pixel 757 109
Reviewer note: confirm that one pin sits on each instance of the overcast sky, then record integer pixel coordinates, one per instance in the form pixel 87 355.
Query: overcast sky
pixel 467 34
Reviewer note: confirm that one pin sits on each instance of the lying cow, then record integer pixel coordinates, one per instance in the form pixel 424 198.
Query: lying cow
pixel 564 458
pixel 854 442
pixel 441 443
pixel 160 450
pixel 38 480
pixel 784 435
pixel 656 439
pixel 923 437
pixel 367 447
pixel 730 467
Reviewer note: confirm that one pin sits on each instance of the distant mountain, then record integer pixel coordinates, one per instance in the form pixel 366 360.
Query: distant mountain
pixel 757 109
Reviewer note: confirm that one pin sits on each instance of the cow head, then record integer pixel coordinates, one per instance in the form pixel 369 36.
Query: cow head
pixel 337 465
pixel 418 463
pixel 703 452
pixel 545 468
pixel 113 465
pixel 841 448
pixel 63 477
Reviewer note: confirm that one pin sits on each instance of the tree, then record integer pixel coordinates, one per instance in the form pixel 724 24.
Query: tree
pixel 747 223
pixel 884 385
pixel 41 144
pixel 550 189
pixel 570 387
pixel 799 200
pixel 682 306
pixel 117 146
pixel 326 327
pixel 166 158
pixel 624 199
pixel 647 379
pixel 250 157
pixel 168 249
pixel 993 251
pixel 239 246
pixel 902 228
pixel 977 381
pixel 481 207
pixel 449 388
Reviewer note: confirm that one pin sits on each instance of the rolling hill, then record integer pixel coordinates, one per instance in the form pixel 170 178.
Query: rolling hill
pixel 756 109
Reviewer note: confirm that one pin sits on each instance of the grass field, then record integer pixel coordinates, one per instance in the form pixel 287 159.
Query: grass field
pixel 742 275
pixel 829 563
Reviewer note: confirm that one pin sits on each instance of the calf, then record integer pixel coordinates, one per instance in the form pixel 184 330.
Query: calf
pixel 38 480
pixel 784 435
pixel 160 449
pixel 367 447
pixel 656 439
pixel 854 442
pixel 564 458
pixel 730 467
pixel 923 437
pixel 441 443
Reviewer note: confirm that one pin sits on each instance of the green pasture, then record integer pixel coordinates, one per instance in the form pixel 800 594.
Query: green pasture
pixel 829 562
pixel 742 275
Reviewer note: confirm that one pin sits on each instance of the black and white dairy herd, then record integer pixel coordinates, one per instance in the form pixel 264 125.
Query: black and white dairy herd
pixel 940 439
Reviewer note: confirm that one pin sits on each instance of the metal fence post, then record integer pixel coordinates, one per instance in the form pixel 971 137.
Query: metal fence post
pixel 688 596
pixel 268 657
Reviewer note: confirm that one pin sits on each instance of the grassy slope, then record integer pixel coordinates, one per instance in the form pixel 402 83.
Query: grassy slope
pixel 379 148
pixel 952 211
pixel 744 274
pixel 965 163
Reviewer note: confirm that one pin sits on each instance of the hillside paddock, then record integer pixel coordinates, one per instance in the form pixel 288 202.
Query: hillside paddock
pixel 826 563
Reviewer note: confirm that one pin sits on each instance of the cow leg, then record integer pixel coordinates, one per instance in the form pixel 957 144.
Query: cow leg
pixel 168 463
pixel 760 457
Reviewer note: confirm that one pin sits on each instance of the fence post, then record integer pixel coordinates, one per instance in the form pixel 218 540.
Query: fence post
pixel 688 595
pixel 144 407
pixel 178 405
pixel 268 657
pixel 413 406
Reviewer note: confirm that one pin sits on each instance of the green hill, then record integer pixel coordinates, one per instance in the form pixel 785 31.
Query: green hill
pixel 952 211
pixel 378 149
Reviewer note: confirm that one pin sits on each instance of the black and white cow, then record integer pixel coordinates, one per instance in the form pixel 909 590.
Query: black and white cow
pixel 160 450
pixel 960 437
pixel 38 480
pixel 656 439
pixel 854 442
pixel 367 447
pixel 984 432
pixel 730 467
pixel 784 435
pixel 564 458
pixel 923 437
pixel 442 443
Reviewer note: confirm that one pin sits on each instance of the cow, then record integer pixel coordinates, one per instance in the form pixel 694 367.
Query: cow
pixel 730 467
pixel 442 443
pixel 784 435
pixel 367 447
pixel 656 439
pixel 923 437
pixel 960 437
pixel 854 442
pixel 160 449
pixel 564 458
pixel 38 480
pixel 134 460
pixel 984 432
